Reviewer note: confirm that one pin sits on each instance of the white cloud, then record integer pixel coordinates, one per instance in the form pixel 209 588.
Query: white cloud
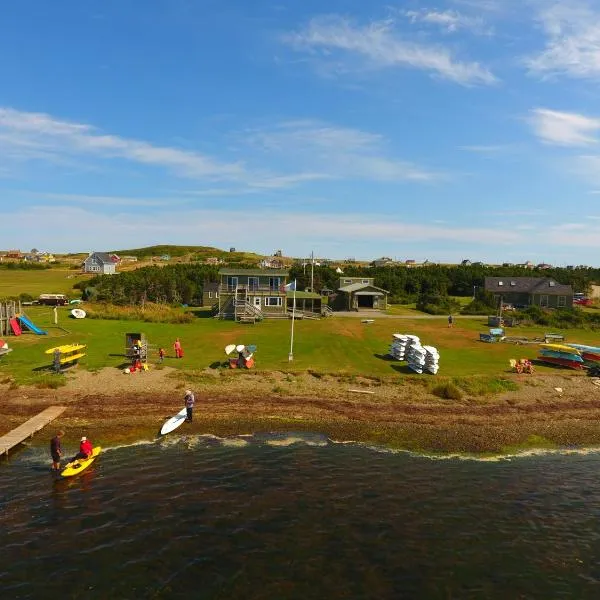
pixel 380 45
pixel 572 29
pixel 339 152
pixel 563 128
pixel 36 136
pixel 53 228
pixel 449 21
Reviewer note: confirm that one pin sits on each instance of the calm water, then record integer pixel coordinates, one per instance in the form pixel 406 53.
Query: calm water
pixel 284 517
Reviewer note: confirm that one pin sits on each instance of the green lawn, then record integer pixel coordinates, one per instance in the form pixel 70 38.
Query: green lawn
pixel 34 282
pixel 336 345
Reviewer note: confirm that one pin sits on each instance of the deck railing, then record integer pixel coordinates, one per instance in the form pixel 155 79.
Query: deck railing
pixel 250 289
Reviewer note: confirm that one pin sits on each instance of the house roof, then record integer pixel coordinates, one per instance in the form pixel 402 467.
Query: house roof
pixel 527 285
pixel 211 286
pixel 355 287
pixel 103 257
pixel 267 272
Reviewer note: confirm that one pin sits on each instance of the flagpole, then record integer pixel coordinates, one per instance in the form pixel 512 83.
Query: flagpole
pixel 291 354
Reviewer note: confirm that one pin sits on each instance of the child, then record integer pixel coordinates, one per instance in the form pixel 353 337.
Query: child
pixel 161 354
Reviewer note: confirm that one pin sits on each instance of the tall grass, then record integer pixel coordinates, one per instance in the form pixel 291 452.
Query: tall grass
pixel 149 313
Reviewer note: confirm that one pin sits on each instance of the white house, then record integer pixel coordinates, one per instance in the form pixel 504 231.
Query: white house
pixel 100 263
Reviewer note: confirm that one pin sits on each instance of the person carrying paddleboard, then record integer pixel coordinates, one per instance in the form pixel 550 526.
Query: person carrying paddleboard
pixel 189 404
pixel 56 450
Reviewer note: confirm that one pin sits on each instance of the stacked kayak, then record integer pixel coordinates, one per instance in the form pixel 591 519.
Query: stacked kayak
pixel 561 354
pixel 589 353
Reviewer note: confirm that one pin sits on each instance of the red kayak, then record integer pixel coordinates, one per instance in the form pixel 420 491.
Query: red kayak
pixel 590 356
pixel 563 362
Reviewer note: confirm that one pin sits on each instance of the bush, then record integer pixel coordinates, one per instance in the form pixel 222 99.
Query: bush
pixel 149 313
pixel 448 391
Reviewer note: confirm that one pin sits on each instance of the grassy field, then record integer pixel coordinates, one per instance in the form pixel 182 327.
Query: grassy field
pixel 339 345
pixel 34 282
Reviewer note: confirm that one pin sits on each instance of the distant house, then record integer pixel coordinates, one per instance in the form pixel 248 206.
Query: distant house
pixel 410 262
pixel 544 266
pixel 129 258
pixel 527 265
pixel 530 291
pixel 466 263
pixel 14 254
pixel 99 263
pixel 384 261
pixel 210 293
pixel 115 258
pixel 271 263
pixel 359 293
pixel 249 295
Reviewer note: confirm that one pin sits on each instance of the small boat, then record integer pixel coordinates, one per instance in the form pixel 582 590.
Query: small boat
pixel 570 364
pixel 590 356
pixel 565 355
pixel 560 348
pixel 75 467
pixel 584 348
pixel 78 313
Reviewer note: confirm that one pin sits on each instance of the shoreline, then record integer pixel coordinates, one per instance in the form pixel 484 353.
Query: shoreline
pixel 112 408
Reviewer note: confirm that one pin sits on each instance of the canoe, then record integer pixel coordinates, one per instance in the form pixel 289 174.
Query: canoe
pixel 77 466
pixel 564 355
pixel 570 364
pixel 592 356
pixel 584 348
pixel 67 348
pixel 560 348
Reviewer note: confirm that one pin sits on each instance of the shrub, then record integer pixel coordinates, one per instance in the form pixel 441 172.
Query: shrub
pixel 149 313
pixel 448 391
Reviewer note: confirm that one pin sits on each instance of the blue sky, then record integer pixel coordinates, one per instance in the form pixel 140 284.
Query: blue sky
pixel 425 130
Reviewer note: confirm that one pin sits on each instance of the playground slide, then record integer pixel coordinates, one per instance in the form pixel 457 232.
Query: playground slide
pixel 14 325
pixel 25 321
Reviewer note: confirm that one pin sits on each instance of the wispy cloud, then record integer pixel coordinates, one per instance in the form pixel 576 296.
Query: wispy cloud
pixel 572 30
pixel 97 200
pixel 489 150
pixel 37 136
pixel 380 45
pixel 338 151
pixel 449 21
pixel 564 128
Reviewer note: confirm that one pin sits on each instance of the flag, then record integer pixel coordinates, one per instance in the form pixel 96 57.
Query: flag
pixel 290 287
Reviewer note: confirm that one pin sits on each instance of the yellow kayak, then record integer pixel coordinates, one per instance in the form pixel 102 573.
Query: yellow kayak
pixel 66 348
pixel 561 348
pixel 75 467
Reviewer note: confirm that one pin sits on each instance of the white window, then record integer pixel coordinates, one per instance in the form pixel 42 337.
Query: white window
pixel 543 300
pixel 501 283
pixel 210 294
pixel 272 301
pixel 562 301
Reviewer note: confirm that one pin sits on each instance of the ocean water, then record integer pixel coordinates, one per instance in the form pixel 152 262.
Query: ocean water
pixel 290 516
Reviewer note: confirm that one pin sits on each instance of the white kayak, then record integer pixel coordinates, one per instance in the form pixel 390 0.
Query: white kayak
pixel 174 422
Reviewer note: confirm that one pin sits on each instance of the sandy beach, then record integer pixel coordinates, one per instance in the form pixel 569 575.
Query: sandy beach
pixel 111 407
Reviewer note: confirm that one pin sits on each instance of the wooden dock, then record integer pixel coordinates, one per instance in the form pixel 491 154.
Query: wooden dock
pixel 27 429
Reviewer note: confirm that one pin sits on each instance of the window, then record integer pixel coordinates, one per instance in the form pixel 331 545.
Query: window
pixel 501 283
pixel 365 281
pixel 562 301
pixel 544 300
pixel 274 283
pixel 272 301
pixel 347 280
pixel 552 283
pixel 513 283
pixel 210 294
pixel 252 283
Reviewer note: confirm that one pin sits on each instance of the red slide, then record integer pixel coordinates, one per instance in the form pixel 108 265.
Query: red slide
pixel 14 324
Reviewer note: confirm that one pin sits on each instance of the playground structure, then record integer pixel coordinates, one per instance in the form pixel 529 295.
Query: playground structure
pixel 12 320
pixel 66 356
pixel 136 349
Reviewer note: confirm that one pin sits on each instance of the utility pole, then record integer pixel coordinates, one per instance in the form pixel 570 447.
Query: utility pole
pixel 312 271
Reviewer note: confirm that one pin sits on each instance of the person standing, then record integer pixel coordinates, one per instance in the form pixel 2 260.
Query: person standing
pixel 178 349
pixel 56 450
pixel 189 405
pixel 450 320
pixel 161 355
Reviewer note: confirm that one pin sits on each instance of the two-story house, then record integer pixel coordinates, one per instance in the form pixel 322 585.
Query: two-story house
pixel 100 263
pixel 360 293
pixel 530 291
pixel 249 295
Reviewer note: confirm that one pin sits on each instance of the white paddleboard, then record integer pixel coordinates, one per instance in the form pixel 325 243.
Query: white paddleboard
pixel 174 422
